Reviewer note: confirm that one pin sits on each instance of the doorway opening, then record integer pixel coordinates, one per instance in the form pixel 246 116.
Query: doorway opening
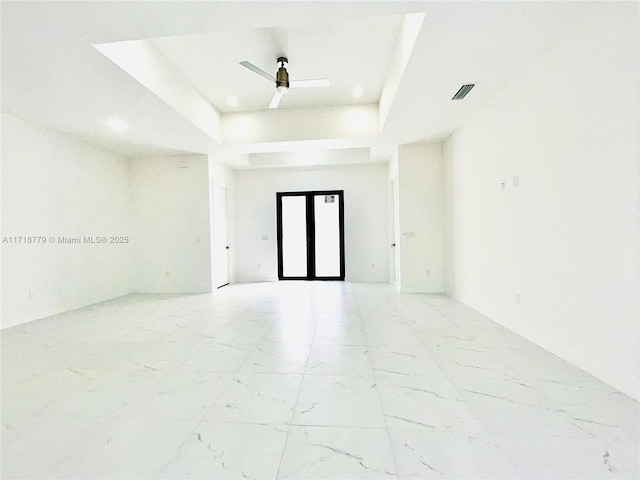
pixel 310 235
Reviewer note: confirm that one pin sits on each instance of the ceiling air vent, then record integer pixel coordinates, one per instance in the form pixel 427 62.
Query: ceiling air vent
pixel 464 89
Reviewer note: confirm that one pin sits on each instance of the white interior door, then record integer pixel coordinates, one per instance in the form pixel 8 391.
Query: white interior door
pixel 220 237
pixel 392 234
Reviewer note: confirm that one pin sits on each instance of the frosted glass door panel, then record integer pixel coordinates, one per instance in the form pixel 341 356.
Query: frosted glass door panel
pixel 294 236
pixel 327 235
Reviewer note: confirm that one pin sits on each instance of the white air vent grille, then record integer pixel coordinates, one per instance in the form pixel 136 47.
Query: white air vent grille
pixel 464 89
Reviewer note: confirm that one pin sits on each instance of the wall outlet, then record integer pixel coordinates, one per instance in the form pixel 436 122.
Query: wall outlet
pixel 258 266
pixel 428 272
pixel 265 237
pixel 168 274
pixel 32 293
pixel 503 185
pixel 516 298
pixel 516 181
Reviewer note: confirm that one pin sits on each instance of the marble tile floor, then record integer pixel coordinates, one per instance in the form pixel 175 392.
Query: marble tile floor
pixel 300 380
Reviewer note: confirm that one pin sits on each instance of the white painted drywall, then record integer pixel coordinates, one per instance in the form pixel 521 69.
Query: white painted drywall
pixel 336 122
pixel 171 226
pixel 366 218
pixel 143 62
pixel 407 37
pixel 448 220
pixel 420 218
pixel 53 186
pixel 556 258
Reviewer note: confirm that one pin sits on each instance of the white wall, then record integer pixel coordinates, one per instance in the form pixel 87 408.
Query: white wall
pixel 365 209
pixel 566 240
pixel 420 218
pixel 52 186
pixel 448 219
pixel 152 69
pixel 171 226
pixel 319 123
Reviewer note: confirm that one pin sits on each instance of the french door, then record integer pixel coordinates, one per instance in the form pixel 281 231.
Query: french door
pixel 310 235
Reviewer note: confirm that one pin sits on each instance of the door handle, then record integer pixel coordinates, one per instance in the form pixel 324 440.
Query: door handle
pixel 393 244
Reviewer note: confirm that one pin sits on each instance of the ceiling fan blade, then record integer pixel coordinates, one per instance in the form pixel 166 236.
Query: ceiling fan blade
pixel 317 82
pixel 275 101
pixel 257 70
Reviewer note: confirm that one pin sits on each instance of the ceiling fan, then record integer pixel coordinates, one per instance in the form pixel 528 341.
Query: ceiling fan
pixel 282 80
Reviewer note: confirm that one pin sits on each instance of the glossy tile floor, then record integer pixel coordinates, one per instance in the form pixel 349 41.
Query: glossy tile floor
pixel 300 380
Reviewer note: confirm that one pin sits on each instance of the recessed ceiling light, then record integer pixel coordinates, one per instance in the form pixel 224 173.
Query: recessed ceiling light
pixel 232 101
pixel 357 91
pixel 114 123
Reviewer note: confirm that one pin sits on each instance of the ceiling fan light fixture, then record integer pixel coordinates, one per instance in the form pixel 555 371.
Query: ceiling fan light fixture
pixel 282 76
pixel 275 101
pixel 282 80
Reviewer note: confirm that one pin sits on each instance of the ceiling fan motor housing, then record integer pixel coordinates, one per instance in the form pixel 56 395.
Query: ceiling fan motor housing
pixel 282 76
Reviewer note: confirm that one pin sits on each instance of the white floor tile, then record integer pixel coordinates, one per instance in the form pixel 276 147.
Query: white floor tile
pixel 257 398
pixel 425 402
pixel 422 454
pixel 125 449
pixel 339 360
pixel 229 450
pixel 333 333
pixel 36 447
pixel 507 406
pixel 403 360
pixel 390 334
pixel 277 358
pixel 185 396
pixel 105 395
pixel 346 401
pixel 332 452
pixel 597 408
pixel 217 357
pixel 301 380
pixel 294 330
pixel 559 457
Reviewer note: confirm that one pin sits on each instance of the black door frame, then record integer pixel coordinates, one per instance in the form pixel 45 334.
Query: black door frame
pixel 311 246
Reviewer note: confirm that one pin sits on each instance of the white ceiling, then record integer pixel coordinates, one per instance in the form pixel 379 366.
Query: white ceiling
pixel 350 53
pixel 53 75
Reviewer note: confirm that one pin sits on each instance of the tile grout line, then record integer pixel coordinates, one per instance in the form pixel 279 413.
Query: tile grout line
pixel 384 418
pixel 487 431
pixel 286 442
